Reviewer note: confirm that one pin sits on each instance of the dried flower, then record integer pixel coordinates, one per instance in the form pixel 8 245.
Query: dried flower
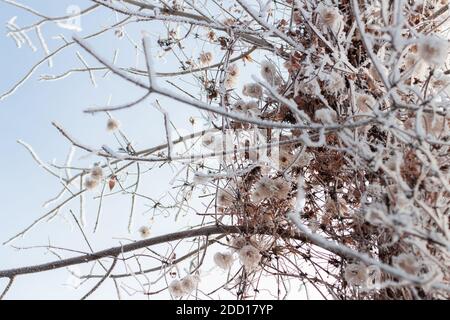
pixel 249 257
pixel 176 289
pixel 144 232
pixel 237 243
pixel 269 73
pixel 112 124
pixel 230 82
pixel 364 102
pixel 330 16
pixel 206 58
pixel 263 189
pixel 432 184
pixel 189 283
pixel 281 188
pixel 433 50
pixel 407 262
pixel 223 260
pixel 90 183
pixel 356 274
pixel 326 116
pixel 335 83
pixel 225 198
pixel 253 90
pixel 231 77
pixel 248 108
pixel 268 188
pixel 233 71
pixel 96 173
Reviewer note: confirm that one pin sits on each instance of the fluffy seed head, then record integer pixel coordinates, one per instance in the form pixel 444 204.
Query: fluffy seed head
pixel 176 289
pixel 356 274
pixel 269 73
pixel 90 183
pixel 233 71
pixel 249 108
pixel 223 260
pixel 330 16
pixel 96 173
pixel 206 58
pixel 335 84
pixel 225 198
pixel 253 90
pixel 238 243
pixel 249 257
pixel 112 124
pixel 189 283
pixel 407 262
pixel 144 232
pixel 364 102
pixel 326 116
pixel 433 50
pixel 263 189
pixel 281 189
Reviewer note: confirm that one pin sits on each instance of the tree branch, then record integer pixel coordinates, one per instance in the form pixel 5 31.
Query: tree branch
pixel 113 252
